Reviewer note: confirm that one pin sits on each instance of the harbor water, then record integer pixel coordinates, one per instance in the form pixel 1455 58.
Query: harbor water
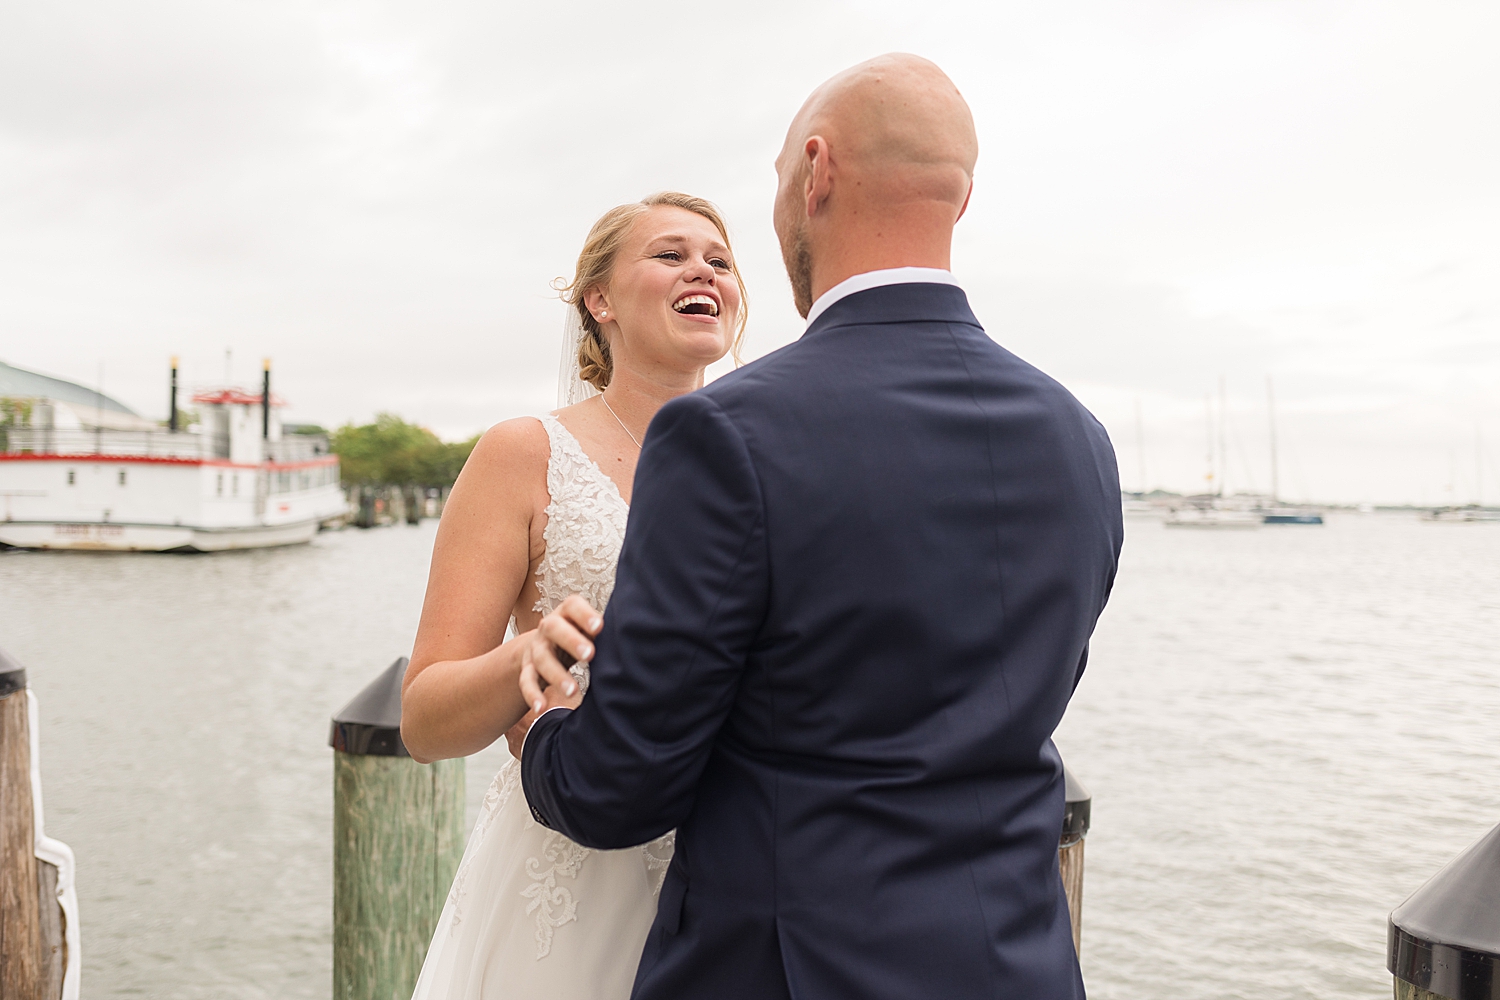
pixel 1285 732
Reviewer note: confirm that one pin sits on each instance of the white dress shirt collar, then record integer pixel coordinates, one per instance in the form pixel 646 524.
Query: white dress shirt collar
pixel 874 279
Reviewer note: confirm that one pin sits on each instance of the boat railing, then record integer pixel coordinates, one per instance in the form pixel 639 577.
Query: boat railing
pixel 79 441
pixel 297 448
pixel 152 444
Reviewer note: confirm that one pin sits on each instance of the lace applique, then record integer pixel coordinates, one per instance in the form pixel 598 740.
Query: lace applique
pixel 553 904
pixel 658 857
pixel 585 528
pixel 586 519
pixel 507 780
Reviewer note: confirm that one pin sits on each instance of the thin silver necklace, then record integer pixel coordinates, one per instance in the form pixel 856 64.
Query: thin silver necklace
pixel 612 413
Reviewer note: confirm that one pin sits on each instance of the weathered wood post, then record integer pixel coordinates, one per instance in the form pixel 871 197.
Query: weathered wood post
pixel 20 917
pixel 398 836
pixel 1443 943
pixel 38 908
pixel 366 516
pixel 1076 816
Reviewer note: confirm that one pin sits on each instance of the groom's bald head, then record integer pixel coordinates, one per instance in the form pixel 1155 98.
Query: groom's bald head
pixel 876 169
pixel 899 118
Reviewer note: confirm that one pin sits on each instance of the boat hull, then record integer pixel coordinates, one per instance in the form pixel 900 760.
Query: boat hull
pixel 148 503
pixel 110 537
pixel 1211 520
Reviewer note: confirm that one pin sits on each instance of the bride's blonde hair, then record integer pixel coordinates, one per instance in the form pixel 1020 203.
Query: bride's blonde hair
pixel 597 260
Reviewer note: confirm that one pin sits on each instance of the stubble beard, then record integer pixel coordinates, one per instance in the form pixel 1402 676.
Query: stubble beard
pixel 797 256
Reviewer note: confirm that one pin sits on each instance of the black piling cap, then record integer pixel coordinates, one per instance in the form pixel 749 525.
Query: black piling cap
pixel 370 725
pixel 12 675
pixel 1076 811
pixel 1446 937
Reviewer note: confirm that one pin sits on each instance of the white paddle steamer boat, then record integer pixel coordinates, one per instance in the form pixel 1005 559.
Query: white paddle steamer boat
pixel 79 470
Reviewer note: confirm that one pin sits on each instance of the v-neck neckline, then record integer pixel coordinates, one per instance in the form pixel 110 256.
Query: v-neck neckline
pixel 578 445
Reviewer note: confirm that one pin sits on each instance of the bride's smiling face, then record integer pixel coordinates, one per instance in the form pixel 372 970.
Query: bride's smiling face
pixel 672 298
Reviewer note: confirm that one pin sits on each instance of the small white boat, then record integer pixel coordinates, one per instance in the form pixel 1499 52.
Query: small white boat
pixel 1211 516
pixel 82 471
pixel 1461 515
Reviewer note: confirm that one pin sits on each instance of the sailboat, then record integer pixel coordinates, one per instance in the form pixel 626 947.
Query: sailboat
pixel 1475 511
pixel 1210 509
pixel 1277 512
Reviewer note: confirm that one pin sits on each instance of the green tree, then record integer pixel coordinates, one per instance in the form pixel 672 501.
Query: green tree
pixel 392 452
pixel 14 413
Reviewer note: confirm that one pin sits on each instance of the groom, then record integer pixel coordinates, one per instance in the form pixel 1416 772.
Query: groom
pixel 854 599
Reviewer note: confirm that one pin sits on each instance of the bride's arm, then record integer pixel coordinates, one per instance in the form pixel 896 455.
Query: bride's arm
pixel 460 693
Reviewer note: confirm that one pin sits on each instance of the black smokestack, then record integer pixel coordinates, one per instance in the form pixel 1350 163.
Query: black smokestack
pixel 172 402
pixel 265 404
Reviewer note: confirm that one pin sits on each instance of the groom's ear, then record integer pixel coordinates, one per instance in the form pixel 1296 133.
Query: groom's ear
pixel 965 206
pixel 819 180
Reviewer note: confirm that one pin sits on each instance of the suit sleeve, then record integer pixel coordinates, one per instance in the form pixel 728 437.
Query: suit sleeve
pixel 690 595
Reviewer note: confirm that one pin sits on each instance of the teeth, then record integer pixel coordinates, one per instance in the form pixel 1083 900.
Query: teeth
pixel 697 300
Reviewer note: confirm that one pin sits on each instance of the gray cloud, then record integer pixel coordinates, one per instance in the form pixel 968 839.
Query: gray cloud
pixel 378 194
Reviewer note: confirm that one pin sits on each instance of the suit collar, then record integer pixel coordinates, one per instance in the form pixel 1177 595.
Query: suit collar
pixel 876 278
pixel 911 302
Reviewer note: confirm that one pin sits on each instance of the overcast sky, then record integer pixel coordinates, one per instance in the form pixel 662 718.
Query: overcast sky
pixel 376 195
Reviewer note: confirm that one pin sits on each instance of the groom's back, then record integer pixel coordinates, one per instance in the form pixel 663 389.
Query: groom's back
pixel 941 523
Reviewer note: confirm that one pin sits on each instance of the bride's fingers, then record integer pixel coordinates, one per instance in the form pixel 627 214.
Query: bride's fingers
pixel 581 614
pixel 552 672
pixel 540 668
pixel 531 688
pixel 533 675
pixel 564 635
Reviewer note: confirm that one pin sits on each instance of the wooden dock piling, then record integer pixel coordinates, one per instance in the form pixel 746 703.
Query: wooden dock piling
pixel 366 516
pixel 1443 943
pixel 20 916
pixel 38 909
pixel 1076 815
pixel 398 829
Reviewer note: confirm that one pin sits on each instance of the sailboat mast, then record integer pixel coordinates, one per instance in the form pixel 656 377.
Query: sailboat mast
pixel 1271 417
pixel 1223 434
pixel 1208 424
pixel 1140 444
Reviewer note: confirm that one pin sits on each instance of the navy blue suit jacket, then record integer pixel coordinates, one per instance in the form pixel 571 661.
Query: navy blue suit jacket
pixel 855 596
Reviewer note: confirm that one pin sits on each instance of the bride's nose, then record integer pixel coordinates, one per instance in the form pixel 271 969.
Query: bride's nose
pixel 700 270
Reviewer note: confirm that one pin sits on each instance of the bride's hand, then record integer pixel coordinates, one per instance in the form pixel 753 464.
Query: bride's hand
pixel 545 681
pixel 515 738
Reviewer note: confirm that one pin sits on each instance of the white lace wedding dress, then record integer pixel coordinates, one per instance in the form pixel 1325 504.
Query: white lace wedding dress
pixel 532 914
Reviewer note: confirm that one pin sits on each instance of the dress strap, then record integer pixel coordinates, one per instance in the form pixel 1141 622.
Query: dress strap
pixel 568 462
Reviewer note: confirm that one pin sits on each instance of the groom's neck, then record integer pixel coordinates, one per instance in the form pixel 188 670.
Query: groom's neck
pixel 919 234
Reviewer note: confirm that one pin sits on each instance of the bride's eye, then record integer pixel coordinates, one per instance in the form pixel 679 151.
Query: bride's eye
pixel 721 264
pixel 669 255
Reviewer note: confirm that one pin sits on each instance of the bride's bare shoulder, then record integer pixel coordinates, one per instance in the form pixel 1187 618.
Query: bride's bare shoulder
pixel 510 460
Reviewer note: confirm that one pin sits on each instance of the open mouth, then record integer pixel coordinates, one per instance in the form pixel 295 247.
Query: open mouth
pixel 697 305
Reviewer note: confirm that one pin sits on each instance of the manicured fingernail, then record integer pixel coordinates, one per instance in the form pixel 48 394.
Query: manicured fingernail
pixel 583 651
pixel 595 622
pixel 538 705
pixel 572 688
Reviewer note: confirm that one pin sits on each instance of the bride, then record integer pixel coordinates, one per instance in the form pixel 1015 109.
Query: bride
pixel 537 515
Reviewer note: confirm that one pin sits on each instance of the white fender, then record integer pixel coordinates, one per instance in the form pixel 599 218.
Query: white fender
pixel 57 854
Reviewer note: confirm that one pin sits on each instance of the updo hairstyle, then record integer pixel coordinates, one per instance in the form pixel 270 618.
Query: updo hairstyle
pixel 597 260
